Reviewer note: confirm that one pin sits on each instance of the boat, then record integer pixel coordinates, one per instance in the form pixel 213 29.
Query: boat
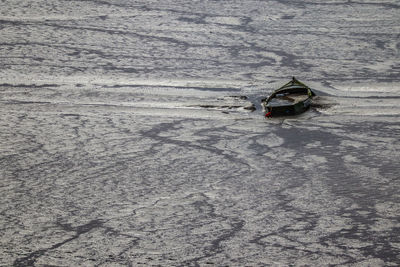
pixel 292 98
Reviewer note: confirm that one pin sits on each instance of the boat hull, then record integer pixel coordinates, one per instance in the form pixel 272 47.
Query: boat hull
pixel 291 99
pixel 288 110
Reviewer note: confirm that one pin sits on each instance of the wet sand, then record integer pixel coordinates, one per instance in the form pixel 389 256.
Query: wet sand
pixel 125 141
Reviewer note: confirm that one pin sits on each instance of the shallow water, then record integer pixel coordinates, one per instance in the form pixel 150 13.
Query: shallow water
pixel 126 137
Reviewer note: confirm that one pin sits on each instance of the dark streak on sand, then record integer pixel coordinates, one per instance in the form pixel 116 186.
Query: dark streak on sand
pixel 30 259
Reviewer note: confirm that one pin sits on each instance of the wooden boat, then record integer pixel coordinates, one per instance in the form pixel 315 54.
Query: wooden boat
pixel 291 99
